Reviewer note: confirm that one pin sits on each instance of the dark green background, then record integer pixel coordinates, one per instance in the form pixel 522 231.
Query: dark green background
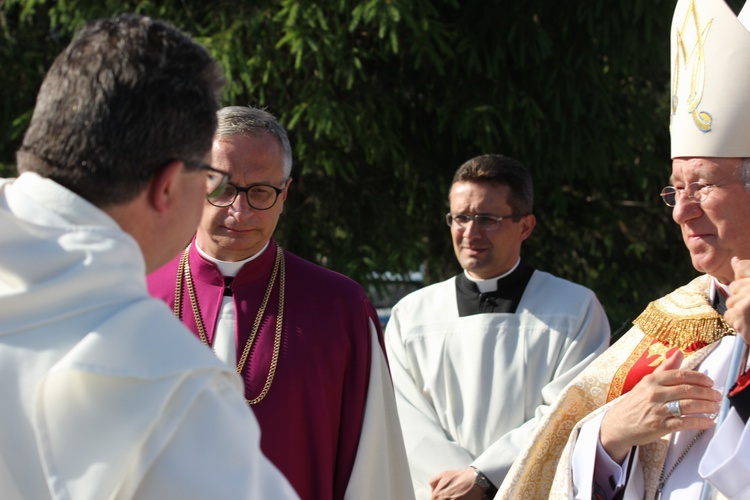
pixel 385 99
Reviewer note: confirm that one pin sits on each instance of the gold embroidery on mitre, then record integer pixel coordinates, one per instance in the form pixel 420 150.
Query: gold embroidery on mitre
pixel 692 57
pixel 684 318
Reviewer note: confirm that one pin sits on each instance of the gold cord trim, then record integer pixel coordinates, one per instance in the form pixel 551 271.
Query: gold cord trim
pixel 279 268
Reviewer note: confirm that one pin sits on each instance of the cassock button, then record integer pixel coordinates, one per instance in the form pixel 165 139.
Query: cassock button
pixel 228 286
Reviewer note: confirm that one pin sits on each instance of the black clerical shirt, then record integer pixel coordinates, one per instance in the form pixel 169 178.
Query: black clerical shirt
pixel 503 300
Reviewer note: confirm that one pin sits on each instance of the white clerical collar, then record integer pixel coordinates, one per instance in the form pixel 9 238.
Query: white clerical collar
pixel 715 285
pixel 229 268
pixel 490 284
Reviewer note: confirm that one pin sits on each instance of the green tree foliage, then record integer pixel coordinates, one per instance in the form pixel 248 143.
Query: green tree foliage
pixel 384 99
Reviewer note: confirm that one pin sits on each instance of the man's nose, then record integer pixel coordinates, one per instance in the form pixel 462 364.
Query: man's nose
pixel 240 208
pixel 685 208
pixel 472 229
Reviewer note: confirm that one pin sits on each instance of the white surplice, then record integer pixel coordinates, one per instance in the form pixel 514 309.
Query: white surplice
pixel 470 389
pixel 104 393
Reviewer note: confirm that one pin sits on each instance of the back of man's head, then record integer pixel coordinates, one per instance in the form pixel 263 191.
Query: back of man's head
pixel 126 96
pixel 501 170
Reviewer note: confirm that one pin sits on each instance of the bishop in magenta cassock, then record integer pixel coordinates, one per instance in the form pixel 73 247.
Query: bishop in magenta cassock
pixel 305 340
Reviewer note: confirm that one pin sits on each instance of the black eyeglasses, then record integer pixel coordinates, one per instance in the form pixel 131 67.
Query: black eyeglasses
pixel 258 196
pixel 216 180
pixel 486 222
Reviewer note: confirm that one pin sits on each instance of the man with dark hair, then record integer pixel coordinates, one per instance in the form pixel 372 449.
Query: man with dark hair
pixel 104 394
pixel 477 359
pixel 306 340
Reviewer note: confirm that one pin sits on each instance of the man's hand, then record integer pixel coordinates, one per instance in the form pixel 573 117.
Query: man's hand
pixel 738 303
pixel 641 416
pixel 455 484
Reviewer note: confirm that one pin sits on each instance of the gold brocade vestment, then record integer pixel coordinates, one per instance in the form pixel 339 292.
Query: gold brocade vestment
pixel 683 319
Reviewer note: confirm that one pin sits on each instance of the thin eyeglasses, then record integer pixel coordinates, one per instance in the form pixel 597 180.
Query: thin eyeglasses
pixel 486 222
pixel 695 191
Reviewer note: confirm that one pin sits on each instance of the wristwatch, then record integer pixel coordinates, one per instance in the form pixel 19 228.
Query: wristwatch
pixel 485 484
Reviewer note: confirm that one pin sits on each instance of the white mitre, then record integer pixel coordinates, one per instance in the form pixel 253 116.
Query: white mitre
pixel 710 109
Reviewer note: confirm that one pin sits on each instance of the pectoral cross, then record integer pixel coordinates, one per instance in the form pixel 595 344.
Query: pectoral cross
pixel 659 487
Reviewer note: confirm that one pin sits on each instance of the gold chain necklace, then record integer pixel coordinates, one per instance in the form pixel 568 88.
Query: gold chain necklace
pixel 279 268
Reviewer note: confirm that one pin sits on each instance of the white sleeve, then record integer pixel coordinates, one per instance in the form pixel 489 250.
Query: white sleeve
pixel 212 451
pixel 591 464
pixel 726 462
pixel 380 467
pixel 428 448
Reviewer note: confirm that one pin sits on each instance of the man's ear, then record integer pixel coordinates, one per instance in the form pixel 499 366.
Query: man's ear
pixel 528 224
pixel 163 186
pixel 286 189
